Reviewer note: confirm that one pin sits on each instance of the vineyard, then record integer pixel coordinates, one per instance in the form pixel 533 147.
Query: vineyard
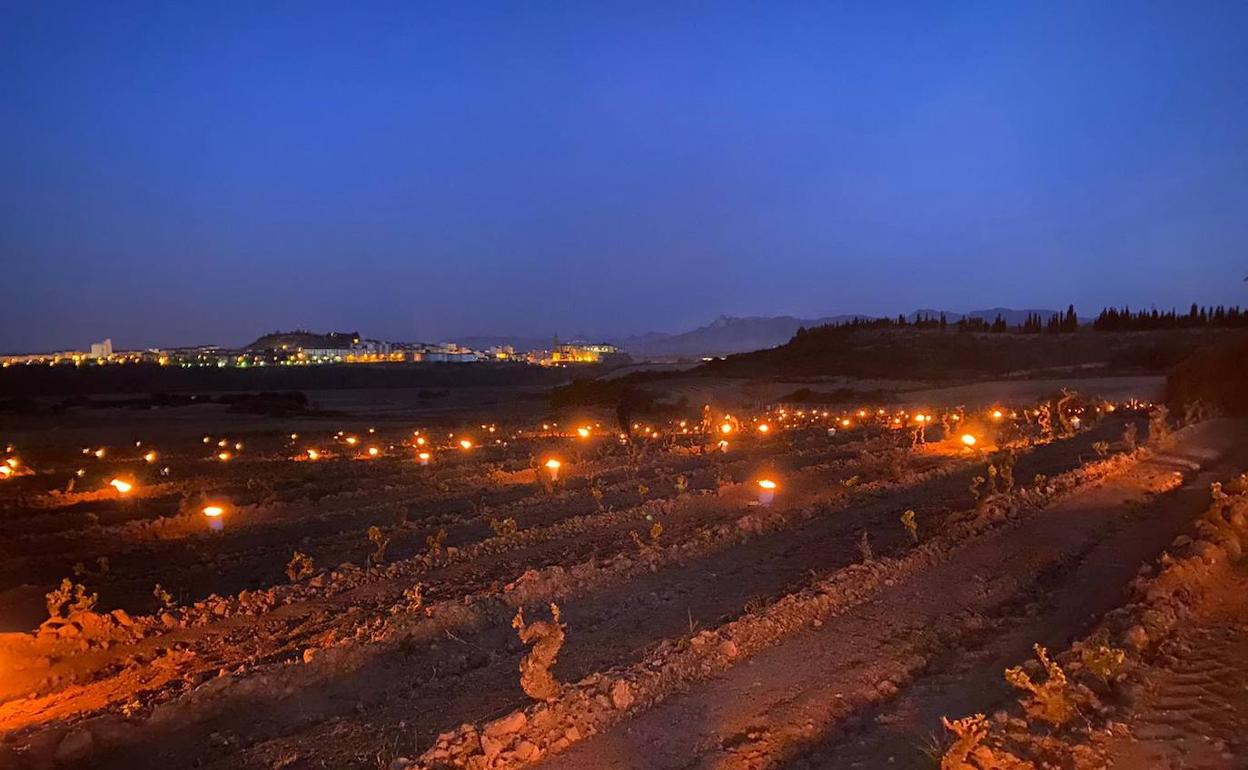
pixel 788 586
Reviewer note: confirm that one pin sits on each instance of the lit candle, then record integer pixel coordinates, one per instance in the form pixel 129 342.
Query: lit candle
pixel 215 514
pixel 766 491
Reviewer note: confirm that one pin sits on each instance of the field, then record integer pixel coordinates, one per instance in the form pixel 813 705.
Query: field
pixel 200 586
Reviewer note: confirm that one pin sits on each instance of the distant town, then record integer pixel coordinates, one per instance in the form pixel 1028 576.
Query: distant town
pixel 305 348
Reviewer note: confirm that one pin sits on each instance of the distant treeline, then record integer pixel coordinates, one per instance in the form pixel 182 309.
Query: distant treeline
pixel 1057 323
pixel 1110 320
pixel 1126 320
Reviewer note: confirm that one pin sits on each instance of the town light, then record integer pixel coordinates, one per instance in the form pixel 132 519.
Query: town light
pixel 465 443
pixel 225 457
pixel 150 457
pixel 968 439
pixel 997 414
pixel 553 465
pixel 313 454
pixel 725 428
pixel 122 487
pixel 5 471
pixel 582 432
pixel 763 428
pixel 373 451
pixel 423 457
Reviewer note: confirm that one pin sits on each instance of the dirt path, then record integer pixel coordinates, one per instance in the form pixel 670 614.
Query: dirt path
pixel 936 644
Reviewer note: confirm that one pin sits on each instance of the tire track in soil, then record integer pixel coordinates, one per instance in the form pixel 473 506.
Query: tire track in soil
pixel 814 700
pixel 1192 707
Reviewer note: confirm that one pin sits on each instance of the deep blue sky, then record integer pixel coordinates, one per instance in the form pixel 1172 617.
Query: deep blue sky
pixel 189 172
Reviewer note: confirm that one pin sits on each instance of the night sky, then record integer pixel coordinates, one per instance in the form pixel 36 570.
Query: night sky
pixel 195 172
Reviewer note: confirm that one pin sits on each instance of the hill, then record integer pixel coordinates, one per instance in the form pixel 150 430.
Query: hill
pixel 932 354
pixel 301 338
pixel 727 335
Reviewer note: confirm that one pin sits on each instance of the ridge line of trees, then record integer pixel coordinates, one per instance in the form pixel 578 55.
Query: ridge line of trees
pixel 1110 319
pixel 1197 317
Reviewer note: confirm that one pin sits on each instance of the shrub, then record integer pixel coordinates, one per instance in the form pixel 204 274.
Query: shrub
pixel 1158 426
pixel 380 541
pixel 69 599
pixel 1102 661
pixel 300 566
pixel 1052 701
pixel 504 527
pixel 546 639
pixel 1129 434
pixel 163 597
pixel 912 526
pixel 864 547
pixel 435 541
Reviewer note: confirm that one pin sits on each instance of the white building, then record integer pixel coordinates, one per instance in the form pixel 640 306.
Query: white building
pixel 102 349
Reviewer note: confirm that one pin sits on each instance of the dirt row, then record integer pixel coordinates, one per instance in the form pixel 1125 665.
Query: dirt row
pixel 620 623
pixel 868 687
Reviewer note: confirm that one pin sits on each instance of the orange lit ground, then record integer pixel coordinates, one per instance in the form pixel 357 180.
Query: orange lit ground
pixel 347 669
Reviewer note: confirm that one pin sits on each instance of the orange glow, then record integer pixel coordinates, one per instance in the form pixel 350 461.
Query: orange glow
pixel 5 471
pixel 465 443
pixel 997 414
pixel 373 451
pixel 423 457
pixel 122 487
pixel 213 511
pixel 553 464
pixel 725 428
pixel 313 454
pixel 150 457
pixel 845 423
pixel 420 441
pixel 99 453
pixel 582 432
pixel 224 457
pixel 764 428
pixel 767 484
pixel 968 439
pixel 352 440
